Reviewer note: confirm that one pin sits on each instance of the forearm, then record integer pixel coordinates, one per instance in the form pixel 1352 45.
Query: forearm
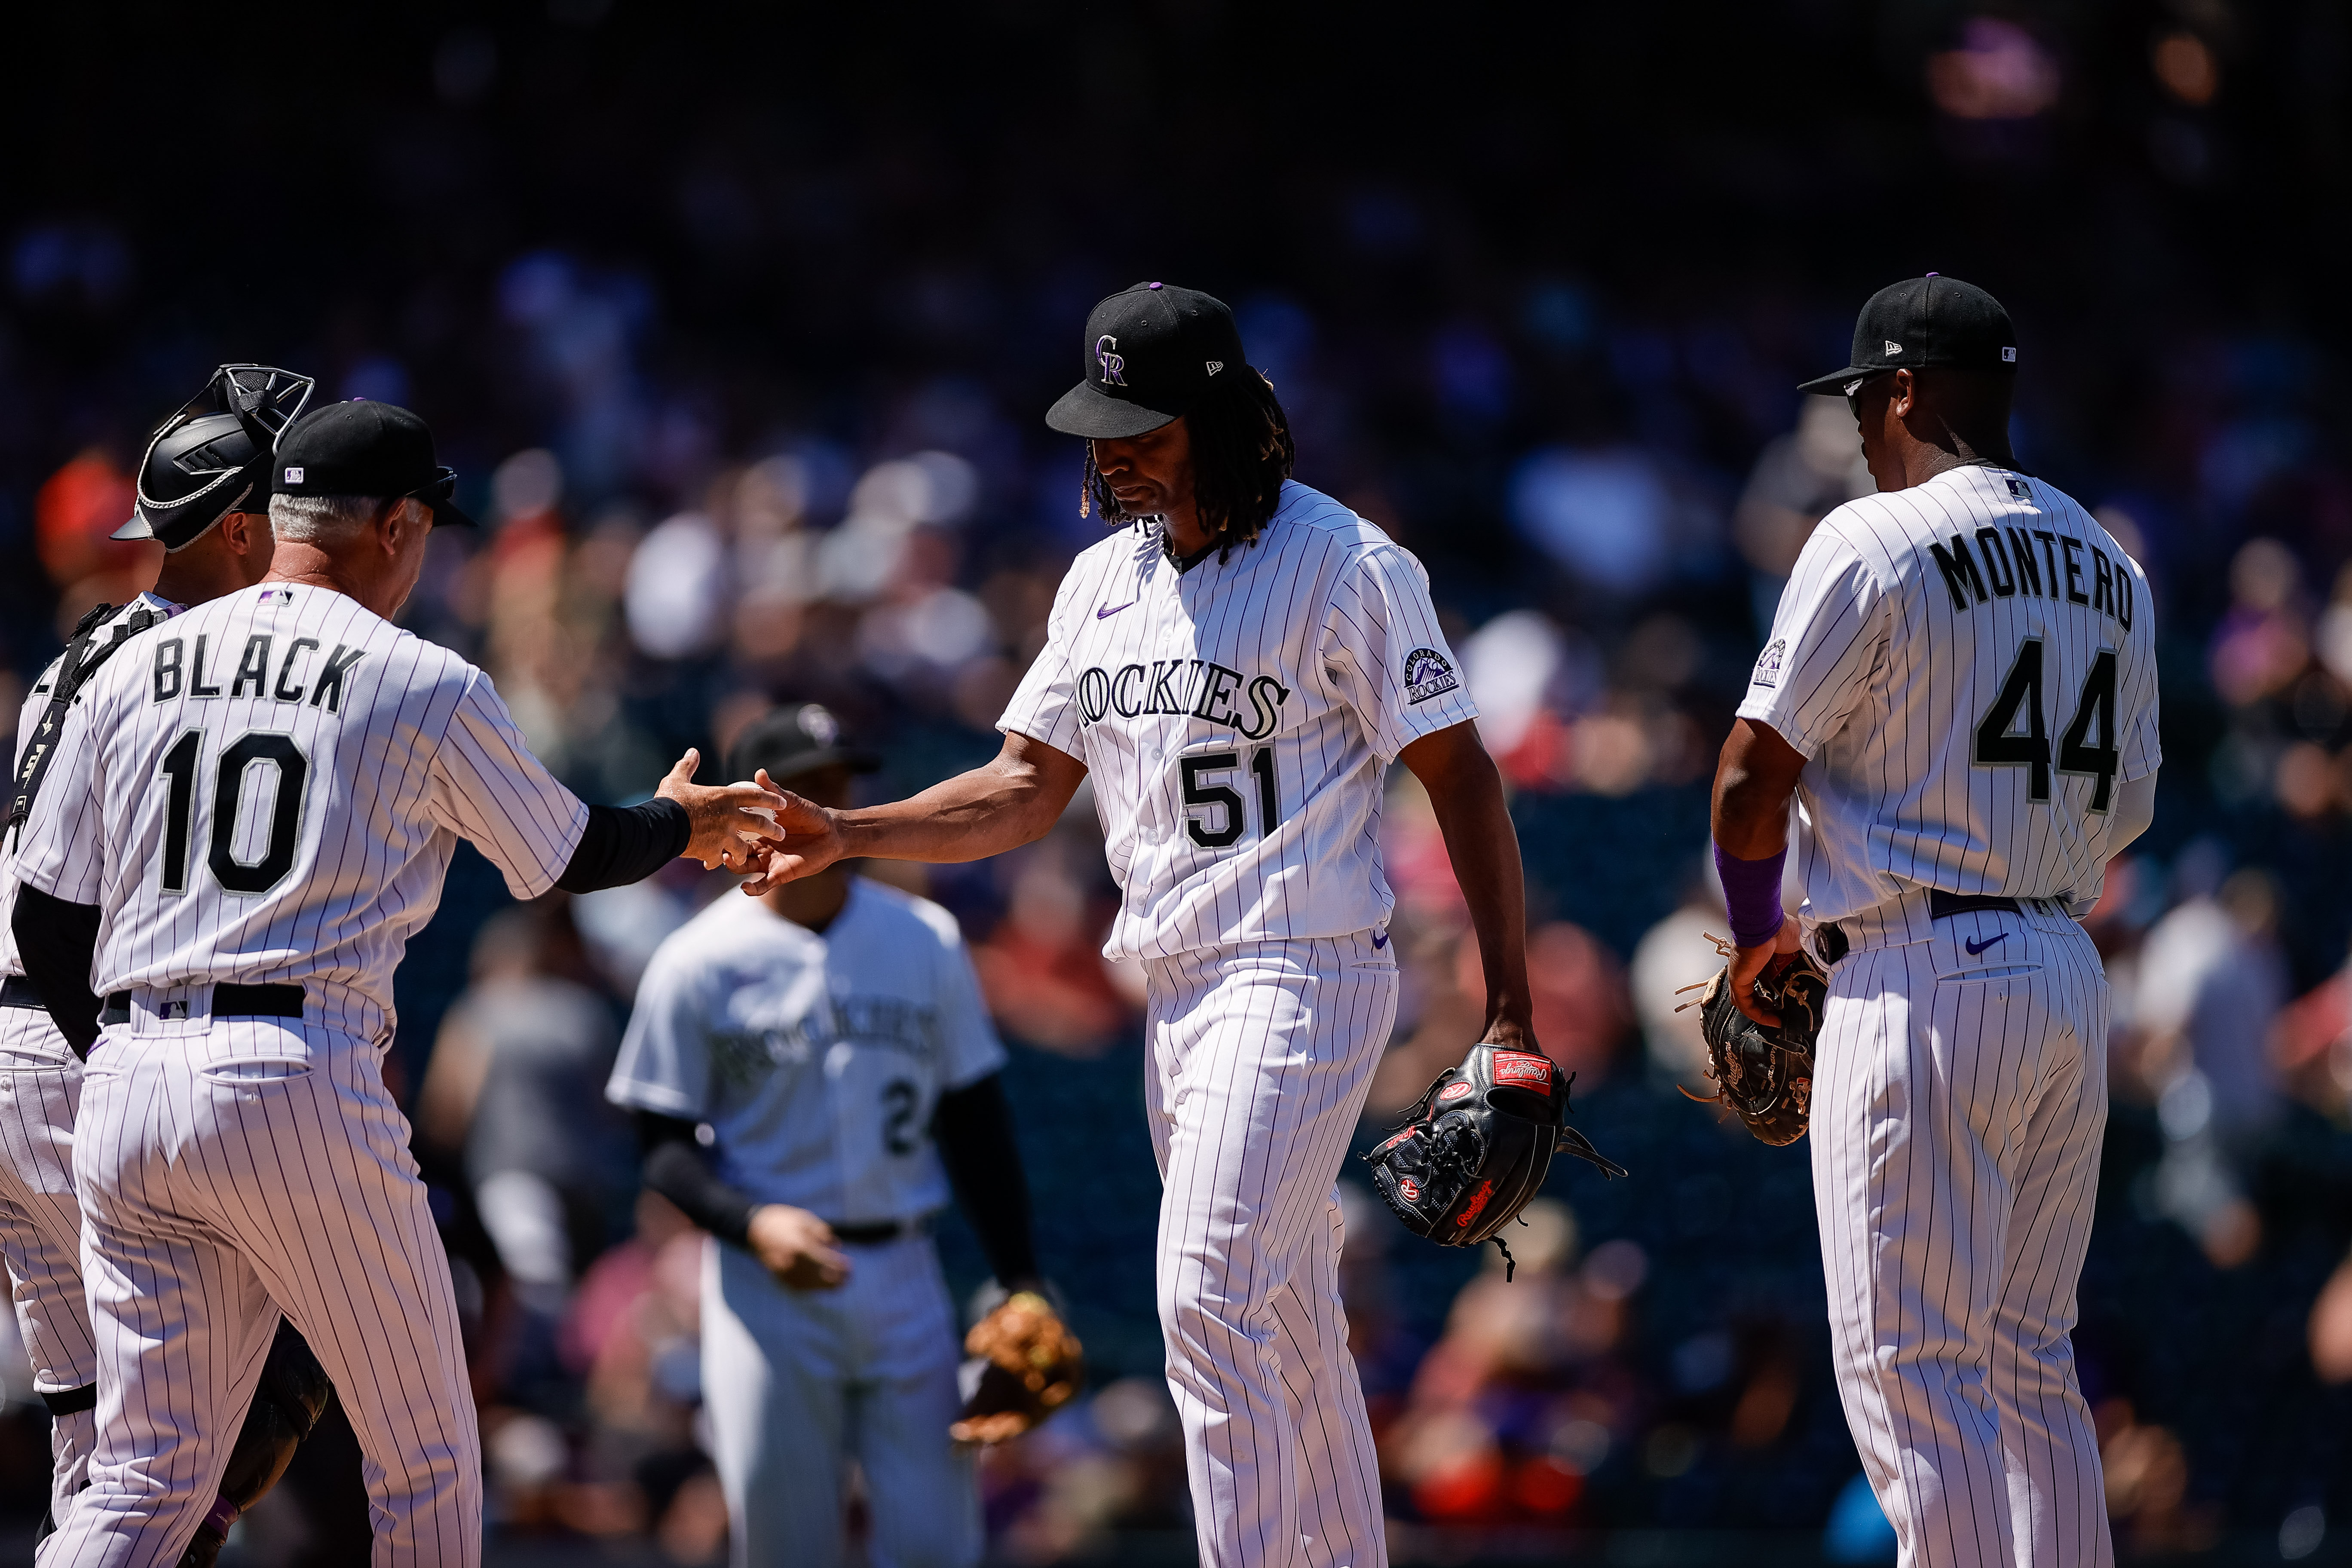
pixel 625 844
pixel 1755 778
pixel 56 941
pixel 975 814
pixel 677 1168
pixel 974 1130
pixel 1466 793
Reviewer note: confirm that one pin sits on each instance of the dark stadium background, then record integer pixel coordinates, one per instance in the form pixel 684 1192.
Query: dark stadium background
pixel 1462 239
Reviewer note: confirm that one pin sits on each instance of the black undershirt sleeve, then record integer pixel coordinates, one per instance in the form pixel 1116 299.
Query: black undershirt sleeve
pixel 625 844
pixel 678 1169
pixel 57 941
pixel 973 1128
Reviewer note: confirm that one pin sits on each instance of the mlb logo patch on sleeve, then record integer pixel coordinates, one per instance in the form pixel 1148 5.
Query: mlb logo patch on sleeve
pixel 1427 674
pixel 1768 665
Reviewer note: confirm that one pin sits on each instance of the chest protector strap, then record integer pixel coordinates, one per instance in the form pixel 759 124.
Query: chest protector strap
pixel 84 657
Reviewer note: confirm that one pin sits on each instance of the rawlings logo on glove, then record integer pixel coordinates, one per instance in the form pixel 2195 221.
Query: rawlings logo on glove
pixel 1478 1147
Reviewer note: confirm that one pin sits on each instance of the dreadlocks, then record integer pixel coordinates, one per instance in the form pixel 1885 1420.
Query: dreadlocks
pixel 1240 454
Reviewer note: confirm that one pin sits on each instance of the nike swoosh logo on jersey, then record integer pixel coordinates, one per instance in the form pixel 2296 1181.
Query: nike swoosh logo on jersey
pixel 1381 939
pixel 1103 611
pixel 1977 947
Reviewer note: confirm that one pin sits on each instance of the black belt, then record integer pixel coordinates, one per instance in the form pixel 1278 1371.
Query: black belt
pixel 1941 906
pixel 15 991
pixel 230 1000
pixel 873 1235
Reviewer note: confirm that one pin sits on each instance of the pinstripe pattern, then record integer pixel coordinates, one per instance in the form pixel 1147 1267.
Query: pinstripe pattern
pixel 246 1166
pixel 1880 679
pixel 40 1221
pixel 1298 645
pixel 40 1229
pixel 1957 1110
pixel 1960 1098
pixel 407 752
pixel 214 1194
pixel 1261 1055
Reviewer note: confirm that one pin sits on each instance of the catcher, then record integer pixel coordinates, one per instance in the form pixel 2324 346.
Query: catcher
pixel 812 1071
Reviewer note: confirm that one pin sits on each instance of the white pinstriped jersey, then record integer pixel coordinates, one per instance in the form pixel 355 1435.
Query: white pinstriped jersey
pixel 269 787
pixel 36 704
pixel 1968 666
pixel 815 1059
pixel 1237 720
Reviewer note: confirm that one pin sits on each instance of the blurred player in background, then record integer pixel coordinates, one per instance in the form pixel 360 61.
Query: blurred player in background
pixel 812 1072
pixel 251 809
pixel 1235 668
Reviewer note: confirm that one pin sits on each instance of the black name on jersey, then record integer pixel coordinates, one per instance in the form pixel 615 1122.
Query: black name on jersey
pixel 178 669
pixel 2012 567
pixel 1184 688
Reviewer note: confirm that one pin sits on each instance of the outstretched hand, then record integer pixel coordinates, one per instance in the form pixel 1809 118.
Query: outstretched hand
pixel 1747 964
pixel 805 839
pixel 729 825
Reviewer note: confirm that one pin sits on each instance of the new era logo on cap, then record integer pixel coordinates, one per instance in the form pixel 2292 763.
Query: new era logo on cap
pixel 1893 348
pixel 293 476
pixel 2008 356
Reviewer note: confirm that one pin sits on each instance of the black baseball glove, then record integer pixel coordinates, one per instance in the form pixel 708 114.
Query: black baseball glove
pixel 1765 1075
pixel 1478 1146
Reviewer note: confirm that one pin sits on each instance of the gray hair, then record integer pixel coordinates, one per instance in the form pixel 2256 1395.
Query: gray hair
pixel 327 521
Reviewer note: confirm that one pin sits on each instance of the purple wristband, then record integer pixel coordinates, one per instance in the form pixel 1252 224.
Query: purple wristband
pixel 1751 893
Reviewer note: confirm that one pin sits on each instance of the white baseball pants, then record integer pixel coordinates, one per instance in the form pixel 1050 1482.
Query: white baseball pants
pixel 228 1169
pixel 1261 1055
pixel 798 1381
pixel 1958 1104
pixel 40 1230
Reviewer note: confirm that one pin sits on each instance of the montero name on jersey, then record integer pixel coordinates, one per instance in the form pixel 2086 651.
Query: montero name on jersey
pixel 1183 687
pixel 2010 569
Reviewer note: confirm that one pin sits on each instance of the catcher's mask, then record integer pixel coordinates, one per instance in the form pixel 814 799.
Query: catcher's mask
pixel 212 457
pixel 1478 1146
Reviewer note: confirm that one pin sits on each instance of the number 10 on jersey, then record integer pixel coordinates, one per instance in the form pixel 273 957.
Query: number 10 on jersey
pixel 1213 813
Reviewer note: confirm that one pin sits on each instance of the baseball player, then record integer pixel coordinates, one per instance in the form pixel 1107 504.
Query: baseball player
pixel 202 493
pixel 250 809
pixel 1237 666
pixel 832 1037
pixel 1960 694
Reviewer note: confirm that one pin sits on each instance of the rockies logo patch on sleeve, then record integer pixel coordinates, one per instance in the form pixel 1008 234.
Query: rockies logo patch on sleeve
pixel 1767 666
pixel 1427 675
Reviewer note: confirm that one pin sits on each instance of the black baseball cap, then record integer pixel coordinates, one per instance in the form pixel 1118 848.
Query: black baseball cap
pixel 798 738
pixel 365 448
pixel 1922 322
pixel 1150 352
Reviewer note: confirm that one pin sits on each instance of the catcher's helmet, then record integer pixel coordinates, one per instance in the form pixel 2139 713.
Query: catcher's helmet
pixel 212 457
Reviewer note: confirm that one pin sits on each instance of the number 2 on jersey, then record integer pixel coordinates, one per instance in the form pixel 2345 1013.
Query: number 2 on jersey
pixel 1228 801
pixel 2011 734
pixel 179 770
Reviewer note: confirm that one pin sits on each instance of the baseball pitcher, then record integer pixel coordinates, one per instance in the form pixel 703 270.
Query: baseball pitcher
pixel 1236 667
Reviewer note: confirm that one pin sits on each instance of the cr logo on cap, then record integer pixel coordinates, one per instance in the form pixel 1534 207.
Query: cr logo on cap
pixel 1114 366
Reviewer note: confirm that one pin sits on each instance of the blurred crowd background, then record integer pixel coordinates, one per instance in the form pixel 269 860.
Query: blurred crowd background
pixel 738 324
